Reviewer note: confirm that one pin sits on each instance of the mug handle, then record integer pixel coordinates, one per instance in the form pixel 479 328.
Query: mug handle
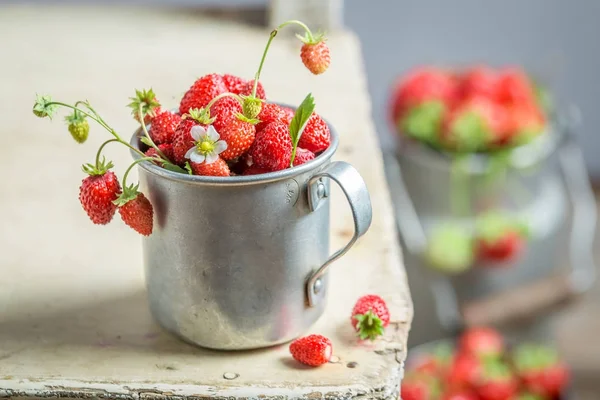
pixel 355 189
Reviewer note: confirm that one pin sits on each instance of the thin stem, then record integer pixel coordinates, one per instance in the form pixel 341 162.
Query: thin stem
pixel 219 97
pixel 293 156
pixel 262 60
pixel 141 116
pixel 299 23
pixel 100 150
pixel 139 160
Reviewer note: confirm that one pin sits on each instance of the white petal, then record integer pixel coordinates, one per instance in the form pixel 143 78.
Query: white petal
pixel 211 158
pixel 212 134
pixel 220 146
pixel 197 157
pixel 189 153
pixel 197 132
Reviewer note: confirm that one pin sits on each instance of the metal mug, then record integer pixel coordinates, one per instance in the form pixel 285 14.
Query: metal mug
pixel 241 262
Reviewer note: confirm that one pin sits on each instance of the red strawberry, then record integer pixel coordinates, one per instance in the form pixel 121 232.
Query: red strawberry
pixel 255 170
pixel 223 111
pixel 217 168
pixel 437 362
pixel 289 114
pixel 464 371
pixel 529 396
pixel 183 140
pixel 313 350
pixel 420 86
pixel 163 127
pixel 475 124
pixel 97 193
pixel 419 386
pixel 316 136
pixel 166 148
pixel 234 84
pixel 247 90
pixel 462 394
pixel 482 342
pixel 497 382
pixel 137 212
pixel 515 87
pixel 315 56
pixel 303 156
pixel 272 148
pixel 239 136
pixel 480 81
pixel 149 103
pixel 524 122
pixel 370 316
pixel 271 112
pixel 498 237
pixel 540 370
pixel 202 92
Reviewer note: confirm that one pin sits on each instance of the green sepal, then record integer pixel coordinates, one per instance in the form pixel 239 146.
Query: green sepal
pixel 188 168
pixel 469 132
pixel 543 96
pixel 42 108
pixel 369 325
pixel 145 98
pixel 299 121
pixel 78 126
pixel 100 169
pixel 129 193
pixel 450 249
pixel 316 38
pixel 424 122
pixel 529 356
pixel 529 396
pixel 200 115
pixel 146 141
pixel 242 117
pixel 251 107
pixel 492 225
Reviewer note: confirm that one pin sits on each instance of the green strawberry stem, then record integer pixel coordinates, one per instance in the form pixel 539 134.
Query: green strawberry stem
pixel 101 148
pixel 220 96
pixel 139 160
pixel 301 24
pixel 98 120
pixel 459 186
pixel 141 116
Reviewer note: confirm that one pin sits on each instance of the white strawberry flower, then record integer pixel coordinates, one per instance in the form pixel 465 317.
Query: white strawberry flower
pixel 207 147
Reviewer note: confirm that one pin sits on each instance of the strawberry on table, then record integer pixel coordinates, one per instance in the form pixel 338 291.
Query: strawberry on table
pixel 202 92
pixel 312 350
pixel 164 124
pixel 482 342
pixel 370 316
pixel 497 382
pixel 540 370
pixel 499 238
pixel 98 191
pixel 419 386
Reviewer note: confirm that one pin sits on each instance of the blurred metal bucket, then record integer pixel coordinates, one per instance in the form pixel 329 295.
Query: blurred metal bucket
pixel 542 178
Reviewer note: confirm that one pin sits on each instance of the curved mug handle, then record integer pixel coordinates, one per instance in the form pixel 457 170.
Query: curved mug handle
pixel 355 189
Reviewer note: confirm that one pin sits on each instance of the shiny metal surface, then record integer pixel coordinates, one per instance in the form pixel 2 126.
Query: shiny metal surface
pixel 228 262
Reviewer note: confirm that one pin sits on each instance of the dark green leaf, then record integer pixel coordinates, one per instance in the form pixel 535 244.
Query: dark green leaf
pixel 303 113
pixel 146 141
pixel 188 168
pixel 174 168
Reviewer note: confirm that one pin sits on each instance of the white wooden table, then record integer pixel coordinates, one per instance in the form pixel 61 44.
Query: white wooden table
pixel 73 315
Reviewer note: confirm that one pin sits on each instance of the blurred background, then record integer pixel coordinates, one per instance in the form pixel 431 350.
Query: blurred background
pixel 554 40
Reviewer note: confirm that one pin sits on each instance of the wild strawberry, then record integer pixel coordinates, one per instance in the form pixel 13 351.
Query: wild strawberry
pixel 289 114
pixel 529 396
pixel 223 111
pixel 316 136
pixel 465 371
pixel 370 316
pixel 420 86
pixel 303 156
pixel 499 238
pixel 217 168
pixel 482 342
pixel 182 139
pixel 525 121
pixel 315 55
pixel 164 124
pixel 148 102
pixel 450 249
pixel 79 128
pixel 255 170
pixel 98 191
pixel 475 124
pixel 271 112
pixel 515 87
pixel 136 210
pixel 497 382
pixel 313 350
pixel 419 386
pixel 166 148
pixel 540 370
pixel 202 92
pixel 249 86
pixel 234 84
pixel 239 136
pixel 272 148
pixel 437 362
pixel 460 394
pixel 479 81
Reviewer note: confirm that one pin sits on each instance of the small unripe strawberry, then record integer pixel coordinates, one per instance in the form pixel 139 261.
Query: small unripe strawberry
pixel 78 126
pixel 313 350
pixel 42 107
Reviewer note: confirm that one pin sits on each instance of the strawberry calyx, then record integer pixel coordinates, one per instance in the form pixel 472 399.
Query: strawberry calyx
pixel 494 370
pixel 309 38
pixel 470 131
pixel 129 193
pixel 147 99
pixel 200 115
pixel 450 249
pixel 534 357
pixel 44 106
pixel 492 226
pixel 369 325
pixel 97 169
pixel 423 121
pixel 529 396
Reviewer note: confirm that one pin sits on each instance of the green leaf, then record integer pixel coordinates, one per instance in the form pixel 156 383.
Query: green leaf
pixel 188 168
pixel 303 113
pixel 146 141
pixel 172 167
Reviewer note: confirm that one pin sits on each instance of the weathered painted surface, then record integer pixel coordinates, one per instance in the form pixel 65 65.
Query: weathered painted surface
pixel 73 315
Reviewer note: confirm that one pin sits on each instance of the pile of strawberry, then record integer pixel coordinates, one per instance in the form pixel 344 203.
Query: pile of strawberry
pixel 482 368
pixel 477 109
pixel 496 241
pixel 224 126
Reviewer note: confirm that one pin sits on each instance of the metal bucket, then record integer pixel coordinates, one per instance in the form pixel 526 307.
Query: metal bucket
pixel 241 262
pixel 543 176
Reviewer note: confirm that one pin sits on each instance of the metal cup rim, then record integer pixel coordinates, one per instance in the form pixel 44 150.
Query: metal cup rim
pixel 238 180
